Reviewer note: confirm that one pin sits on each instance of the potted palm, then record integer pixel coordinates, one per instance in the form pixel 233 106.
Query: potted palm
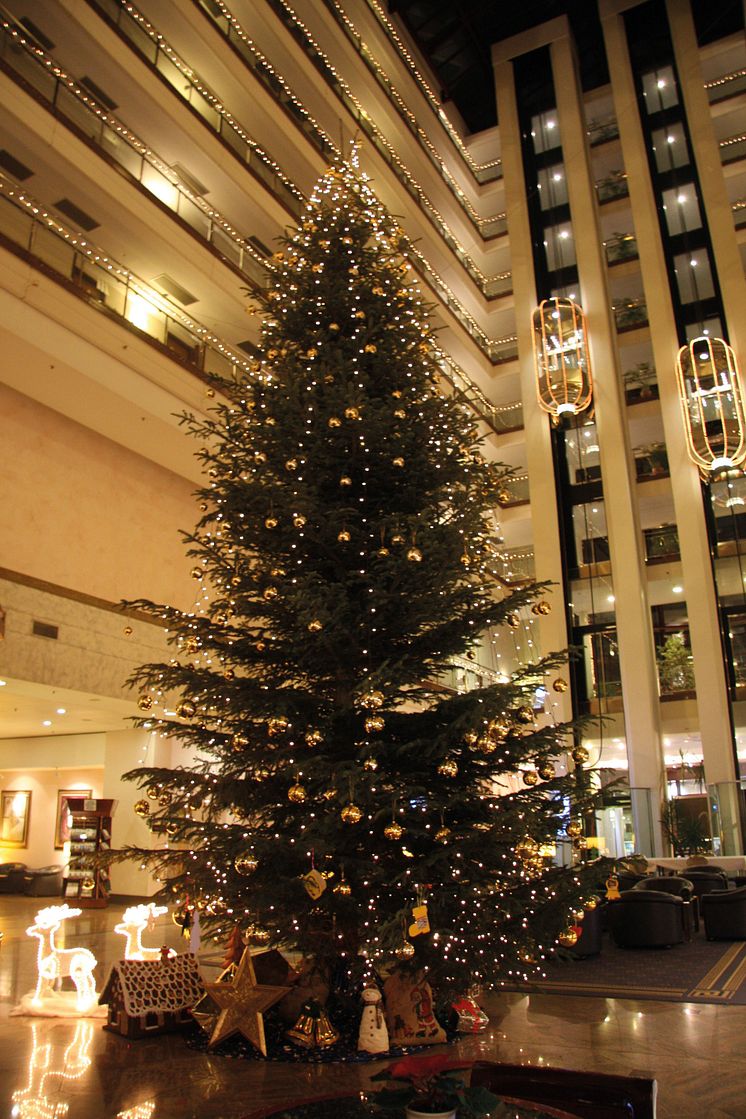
pixel 431 1087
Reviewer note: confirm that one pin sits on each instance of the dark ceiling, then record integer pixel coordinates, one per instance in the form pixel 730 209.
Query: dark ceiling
pixel 456 35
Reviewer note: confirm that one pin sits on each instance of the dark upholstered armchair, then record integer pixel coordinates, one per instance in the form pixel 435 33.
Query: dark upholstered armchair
pixel 45 882
pixel 647 919
pixel 11 877
pixel 705 879
pixel 589 1095
pixel 667 884
pixel 724 912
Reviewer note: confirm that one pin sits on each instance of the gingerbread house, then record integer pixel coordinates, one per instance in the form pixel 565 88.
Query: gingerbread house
pixel 147 997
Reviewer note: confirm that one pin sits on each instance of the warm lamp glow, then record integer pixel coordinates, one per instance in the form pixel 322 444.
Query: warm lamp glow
pixel 712 406
pixel 563 371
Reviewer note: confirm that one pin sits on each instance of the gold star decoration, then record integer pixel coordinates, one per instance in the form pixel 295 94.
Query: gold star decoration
pixel 242 1003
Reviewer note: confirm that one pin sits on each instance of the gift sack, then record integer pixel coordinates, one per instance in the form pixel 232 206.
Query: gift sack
pixel 409 1011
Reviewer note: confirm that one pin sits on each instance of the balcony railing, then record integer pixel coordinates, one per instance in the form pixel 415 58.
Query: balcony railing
pixel 117 143
pixel 515 491
pixel 733 148
pixel 661 544
pixel 631 313
pixel 601 129
pixel 613 186
pixel 515 567
pixel 727 85
pixel 620 247
pixel 109 287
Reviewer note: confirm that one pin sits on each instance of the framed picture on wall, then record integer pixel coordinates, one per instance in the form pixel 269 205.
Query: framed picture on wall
pixel 15 810
pixel 62 825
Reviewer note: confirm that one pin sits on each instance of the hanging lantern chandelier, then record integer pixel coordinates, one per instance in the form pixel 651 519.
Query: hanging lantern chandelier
pixel 712 405
pixel 563 369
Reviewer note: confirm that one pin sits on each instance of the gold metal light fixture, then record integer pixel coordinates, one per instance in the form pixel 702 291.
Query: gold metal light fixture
pixel 712 405
pixel 563 369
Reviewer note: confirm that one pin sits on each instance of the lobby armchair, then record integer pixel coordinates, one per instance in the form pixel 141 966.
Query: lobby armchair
pixel 44 882
pixel 11 877
pixel 724 913
pixel 647 919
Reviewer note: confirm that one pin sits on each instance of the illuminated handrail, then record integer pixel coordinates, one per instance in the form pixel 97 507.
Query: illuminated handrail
pixel 138 32
pixel 110 287
pixel 83 113
pixel 727 85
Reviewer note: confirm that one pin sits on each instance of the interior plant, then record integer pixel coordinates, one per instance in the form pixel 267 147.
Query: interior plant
pixel 432 1085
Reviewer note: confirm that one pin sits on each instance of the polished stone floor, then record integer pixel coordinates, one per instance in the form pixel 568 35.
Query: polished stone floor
pixel 73 1069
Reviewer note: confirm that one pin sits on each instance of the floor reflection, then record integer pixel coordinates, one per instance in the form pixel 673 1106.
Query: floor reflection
pixel 42 1097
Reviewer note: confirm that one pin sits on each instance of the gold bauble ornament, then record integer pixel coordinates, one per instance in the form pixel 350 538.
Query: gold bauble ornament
pixel 397 538
pixel 442 835
pixel 393 830
pixel 197 572
pixel 313 737
pixel 88 883
pixel 343 537
pixel 345 480
pixel 400 414
pixel 269 593
pixel 470 738
pixel 145 702
pixel 397 394
pixel 291 464
pixel 334 421
pixel 374 723
pixel 260 774
pixel 574 829
pixel 342 888
pixel 334 326
pixel 405 951
pixel 384 551
pixel 239 741
pixel 153 792
pixel 352 413
pixel 568 937
pixel 527 847
pixel 448 768
pixel 530 777
pixel 372 700
pixel 260 458
pixel 142 808
pixel 524 715
pixel 360 315
pixel 351 814
pixel 299 520
pixel 260 646
pixel 245 864
pixel 498 729
pixel 128 631
pixel 580 755
pixel 371 348
pixel 297 794
pixel 542 607
pixel 398 461
pixel 172 828
pixel 186 710
pixel 236 581
pixel 559 685
pixel 270 522
pixel 512 620
pixel 276 726
pixel 590 903
pixel 546 771
pixel 485 745
pixel 503 497
pixel 229 674
pixel 370 764
pixel 165 799
pixel 414 555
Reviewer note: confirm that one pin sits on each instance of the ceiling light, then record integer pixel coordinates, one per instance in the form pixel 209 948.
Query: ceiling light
pixel 62 711
pixel 47 723
pixel 677 589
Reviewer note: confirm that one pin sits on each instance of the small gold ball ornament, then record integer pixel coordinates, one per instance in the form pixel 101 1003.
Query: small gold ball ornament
pixel 186 710
pixel 245 864
pixel 153 792
pixel 590 903
pixel 559 685
pixel 239 742
pixel 343 537
pixel 442 835
pixel 374 723
pixel 542 607
pixel 165 799
pixel 524 715
pixel 270 522
pixel 574 829
pixel 568 937
pixel 297 794
pixel 512 620
pixel 334 326
pixel 372 700
pixel 343 888
pixel 277 726
pixel 351 814
pixel 313 737
pixel 580 755
pixel 470 738
pixel 526 848
pixel 142 808
pixel 393 830
pixel 269 593
pixel 128 631
pixel 384 551
pixel 546 771
pixel 530 777
pixel 315 626
pixel 334 421
pixel 485 745
pixel 299 520
pixel 352 413
pixel 405 951
pixel 197 572
pixel 345 480
pixel 291 464
pixel 370 764
pixel 145 702
pixel 398 461
pixel 448 768
pixel 88 883
pixel 172 828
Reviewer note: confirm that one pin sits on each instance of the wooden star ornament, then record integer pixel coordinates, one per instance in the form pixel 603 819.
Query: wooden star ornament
pixel 242 1003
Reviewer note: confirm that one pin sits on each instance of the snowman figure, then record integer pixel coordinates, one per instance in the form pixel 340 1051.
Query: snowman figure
pixel 373 1036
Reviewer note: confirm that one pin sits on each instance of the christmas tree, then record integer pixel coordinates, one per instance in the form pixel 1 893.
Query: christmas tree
pixel 336 798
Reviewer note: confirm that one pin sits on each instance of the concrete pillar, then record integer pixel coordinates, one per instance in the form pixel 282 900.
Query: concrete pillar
pixel 125 750
pixel 712 692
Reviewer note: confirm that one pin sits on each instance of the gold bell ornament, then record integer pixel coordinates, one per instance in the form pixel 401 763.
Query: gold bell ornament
pixel 313 1030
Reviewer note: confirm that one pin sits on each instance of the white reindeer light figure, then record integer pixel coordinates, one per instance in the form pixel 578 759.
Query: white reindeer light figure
pixel 134 922
pixel 54 964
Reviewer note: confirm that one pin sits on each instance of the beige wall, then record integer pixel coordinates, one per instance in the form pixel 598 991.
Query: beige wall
pixel 85 513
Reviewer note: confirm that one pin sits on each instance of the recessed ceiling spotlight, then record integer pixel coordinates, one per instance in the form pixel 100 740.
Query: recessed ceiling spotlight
pixel 677 589
pixel 62 711
pixel 47 723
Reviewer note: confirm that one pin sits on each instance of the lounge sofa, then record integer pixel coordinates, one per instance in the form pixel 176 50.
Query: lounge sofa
pixel 724 913
pixel 44 882
pixel 647 919
pixel 11 877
